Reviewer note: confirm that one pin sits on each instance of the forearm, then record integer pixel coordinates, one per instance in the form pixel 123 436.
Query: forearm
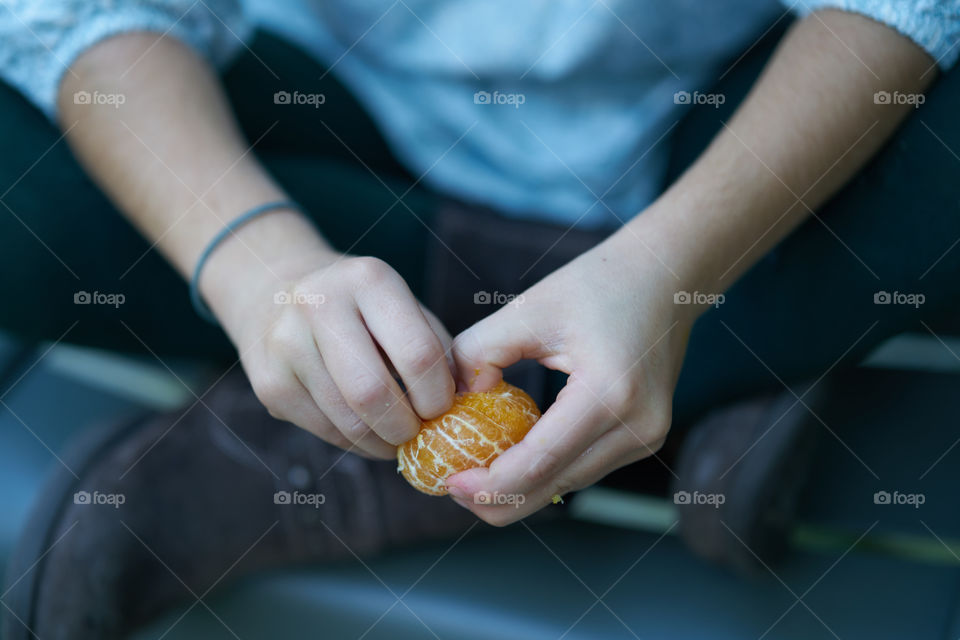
pixel 173 161
pixel 808 125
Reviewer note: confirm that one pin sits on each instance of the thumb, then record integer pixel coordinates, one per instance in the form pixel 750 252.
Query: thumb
pixel 481 352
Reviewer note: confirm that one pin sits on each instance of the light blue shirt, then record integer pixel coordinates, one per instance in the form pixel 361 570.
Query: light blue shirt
pixel 550 109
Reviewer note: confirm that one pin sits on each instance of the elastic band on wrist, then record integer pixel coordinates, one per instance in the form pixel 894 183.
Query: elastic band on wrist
pixel 198 304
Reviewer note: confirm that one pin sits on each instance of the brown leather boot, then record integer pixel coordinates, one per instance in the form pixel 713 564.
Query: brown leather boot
pixel 739 476
pixel 169 506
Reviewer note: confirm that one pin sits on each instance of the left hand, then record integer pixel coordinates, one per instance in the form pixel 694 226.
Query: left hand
pixel 607 319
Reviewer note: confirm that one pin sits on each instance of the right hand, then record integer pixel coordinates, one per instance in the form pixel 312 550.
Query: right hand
pixel 320 367
pixel 320 352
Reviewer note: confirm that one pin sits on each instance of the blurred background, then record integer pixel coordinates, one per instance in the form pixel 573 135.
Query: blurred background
pixel 876 553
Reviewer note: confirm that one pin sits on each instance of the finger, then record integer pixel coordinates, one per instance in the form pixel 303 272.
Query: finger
pixel 358 370
pixel 352 433
pixel 445 339
pixel 496 342
pixel 569 427
pixel 395 320
pixel 615 449
pixel 288 400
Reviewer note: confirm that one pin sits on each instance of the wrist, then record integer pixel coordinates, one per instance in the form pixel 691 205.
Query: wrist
pixel 260 258
pixel 673 259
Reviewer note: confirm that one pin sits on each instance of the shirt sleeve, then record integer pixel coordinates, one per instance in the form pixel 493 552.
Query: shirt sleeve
pixel 40 39
pixel 933 24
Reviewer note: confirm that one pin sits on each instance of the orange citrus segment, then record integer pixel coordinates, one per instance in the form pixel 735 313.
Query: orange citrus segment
pixel 476 429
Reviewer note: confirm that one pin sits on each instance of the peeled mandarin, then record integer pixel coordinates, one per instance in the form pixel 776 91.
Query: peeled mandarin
pixel 477 428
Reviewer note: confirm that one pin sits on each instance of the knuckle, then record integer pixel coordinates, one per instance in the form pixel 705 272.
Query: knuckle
pixel 419 356
pixel 654 446
pixel 660 428
pixel 663 420
pixel 272 393
pixel 369 269
pixel 368 392
pixel 303 290
pixel 648 440
pixel 621 394
pixel 656 424
pixel 285 338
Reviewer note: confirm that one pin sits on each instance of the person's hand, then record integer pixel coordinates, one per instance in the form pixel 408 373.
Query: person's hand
pixel 315 329
pixel 321 351
pixel 607 319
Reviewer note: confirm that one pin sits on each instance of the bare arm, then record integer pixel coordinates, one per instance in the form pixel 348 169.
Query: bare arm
pixel 609 319
pixel 807 126
pixel 172 159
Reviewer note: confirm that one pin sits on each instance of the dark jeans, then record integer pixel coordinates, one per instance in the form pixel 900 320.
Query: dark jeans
pixel 808 304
